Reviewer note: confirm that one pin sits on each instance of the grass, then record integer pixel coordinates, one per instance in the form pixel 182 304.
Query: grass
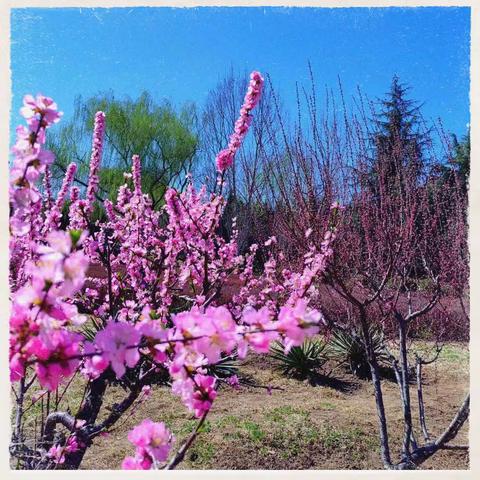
pixel 301 427
pixel 326 405
pixel 255 433
pixel 280 414
pixel 190 425
pixel 453 353
pixel 202 453
pixel 286 432
pixel 319 427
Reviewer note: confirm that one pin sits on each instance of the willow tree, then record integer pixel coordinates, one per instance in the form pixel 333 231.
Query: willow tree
pixel 164 138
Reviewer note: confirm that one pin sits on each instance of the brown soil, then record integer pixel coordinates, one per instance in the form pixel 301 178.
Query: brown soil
pixel 303 426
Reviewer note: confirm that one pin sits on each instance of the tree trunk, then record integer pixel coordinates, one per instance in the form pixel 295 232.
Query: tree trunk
pixel 407 410
pixel 88 412
pixel 377 386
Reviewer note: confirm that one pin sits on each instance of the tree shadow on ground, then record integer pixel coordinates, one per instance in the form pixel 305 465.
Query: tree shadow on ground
pixel 340 384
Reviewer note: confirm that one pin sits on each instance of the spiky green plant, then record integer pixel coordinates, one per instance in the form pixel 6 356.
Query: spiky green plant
pixel 348 347
pixel 226 367
pixel 90 328
pixel 303 361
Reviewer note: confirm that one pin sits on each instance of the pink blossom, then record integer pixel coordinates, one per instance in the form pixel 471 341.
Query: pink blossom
pixel 74 194
pixel 203 395
pixel 233 381
pixel 137 174
pixel 118 343
pixel 225 158
pixel 47 185
pixel 133 302
pixel 147 390
pixel 152 441
pixel 54 216
pixel 297 323
pixel 185 362
pixel 17 367
pixel 136 463
pixel 256 337
pixel 97 147
pixel 153 438
pixel 94 363
pixel 57 356
pixel 271 241
pixel 218 330
pixel 337 205
pixel 197 394
pixel 40 105
pixel 57 452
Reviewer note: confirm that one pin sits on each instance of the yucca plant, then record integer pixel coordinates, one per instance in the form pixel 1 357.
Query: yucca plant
pixel 348 347
pixel 90 328
pixel 226 367
pixel 303 361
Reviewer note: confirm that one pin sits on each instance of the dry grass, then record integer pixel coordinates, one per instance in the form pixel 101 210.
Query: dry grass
pixel 300 427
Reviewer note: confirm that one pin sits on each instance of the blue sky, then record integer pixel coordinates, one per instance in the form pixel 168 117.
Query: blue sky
pixel 180 54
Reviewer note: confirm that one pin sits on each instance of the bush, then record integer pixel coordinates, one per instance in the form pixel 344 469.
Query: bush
pixel 303 361
pixel 348 347
pixel 225 368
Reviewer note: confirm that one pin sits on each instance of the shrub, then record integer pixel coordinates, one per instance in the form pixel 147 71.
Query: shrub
pixel 303 361
pixel 226 367
pixel 348 347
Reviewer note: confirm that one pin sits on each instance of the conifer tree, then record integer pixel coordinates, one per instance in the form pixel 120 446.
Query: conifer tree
pixel 398 141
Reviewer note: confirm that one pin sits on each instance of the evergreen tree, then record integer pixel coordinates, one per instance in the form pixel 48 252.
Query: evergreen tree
pixel 461 158
pixel 398 141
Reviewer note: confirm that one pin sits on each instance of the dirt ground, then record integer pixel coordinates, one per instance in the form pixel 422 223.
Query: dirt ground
pixel 302 426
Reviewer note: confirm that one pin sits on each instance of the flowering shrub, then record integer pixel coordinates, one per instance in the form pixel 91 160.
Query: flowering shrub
pixel 156 309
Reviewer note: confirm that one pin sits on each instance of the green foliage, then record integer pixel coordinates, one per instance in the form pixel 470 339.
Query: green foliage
pixel 398 142
pixel 190 425
pixel 303 361
pixel 202 453
pixel 90 328
pixel 349 348
pixel 455 354
pixel 165 140
pixel 255 433
pixel 280 414
pixel 225 367
pixel 352 439
pixel 111 179
pixel 461 159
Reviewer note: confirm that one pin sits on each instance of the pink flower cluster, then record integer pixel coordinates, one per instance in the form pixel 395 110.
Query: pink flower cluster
pixel 200 339
pixel 117 345
pixel 97 147
pixel 39 111
pixel 193 221
pixel 152 441
pixel 225 157
pixel 55 213
pixel 197 339
pixel 41 312
pixel 57 452
pixel 137 175
pixel 287 286
pixel 30 161
pixel 81 209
